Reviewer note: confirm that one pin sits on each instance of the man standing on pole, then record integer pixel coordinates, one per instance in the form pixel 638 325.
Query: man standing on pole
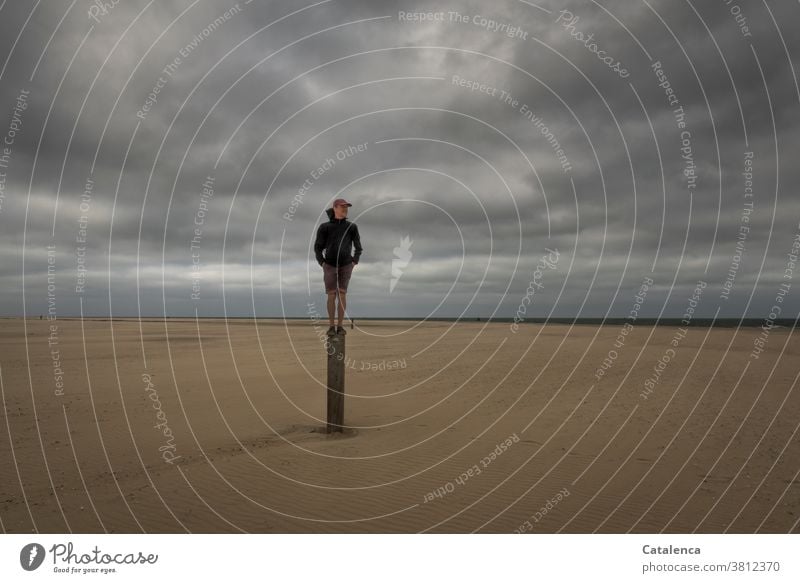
pixel 336 238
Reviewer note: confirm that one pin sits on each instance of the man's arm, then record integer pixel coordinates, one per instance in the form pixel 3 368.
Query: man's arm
pixel 356 244
pixel 321 242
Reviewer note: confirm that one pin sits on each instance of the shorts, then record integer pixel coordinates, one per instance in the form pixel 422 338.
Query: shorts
pixel 337 277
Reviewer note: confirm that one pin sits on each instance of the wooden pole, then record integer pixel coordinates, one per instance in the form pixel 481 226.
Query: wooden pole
pixel 336 351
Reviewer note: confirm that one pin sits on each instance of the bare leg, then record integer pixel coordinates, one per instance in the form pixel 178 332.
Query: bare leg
pixel 342 305
pixel 331 307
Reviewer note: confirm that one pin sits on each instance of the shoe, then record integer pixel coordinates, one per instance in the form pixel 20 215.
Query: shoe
pixel 332 331
pixel 340 330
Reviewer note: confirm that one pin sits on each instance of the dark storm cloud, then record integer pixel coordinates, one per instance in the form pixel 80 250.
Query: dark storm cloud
pixel 256 97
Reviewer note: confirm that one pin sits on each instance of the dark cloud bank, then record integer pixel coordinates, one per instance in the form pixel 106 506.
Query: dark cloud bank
pixel 165 145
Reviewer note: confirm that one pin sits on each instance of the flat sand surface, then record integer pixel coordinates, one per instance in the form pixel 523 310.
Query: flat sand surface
pixel 453 428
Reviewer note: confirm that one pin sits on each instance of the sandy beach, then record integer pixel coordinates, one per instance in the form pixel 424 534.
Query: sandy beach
pixel 215 426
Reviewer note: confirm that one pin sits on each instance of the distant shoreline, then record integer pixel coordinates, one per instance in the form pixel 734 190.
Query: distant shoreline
pixel 695 322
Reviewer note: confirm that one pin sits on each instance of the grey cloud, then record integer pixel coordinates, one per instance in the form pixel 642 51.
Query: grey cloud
pixel 246 213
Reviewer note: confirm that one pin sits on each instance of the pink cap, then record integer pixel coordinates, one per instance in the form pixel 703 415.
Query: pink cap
pixel 341 201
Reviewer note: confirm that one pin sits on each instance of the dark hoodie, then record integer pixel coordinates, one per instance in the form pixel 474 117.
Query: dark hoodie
pixel 336 238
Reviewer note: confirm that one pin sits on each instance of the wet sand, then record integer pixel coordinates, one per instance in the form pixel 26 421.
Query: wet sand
pixel 218 427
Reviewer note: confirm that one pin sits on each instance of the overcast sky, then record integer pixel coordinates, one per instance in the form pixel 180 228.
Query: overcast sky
pixel 253 98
